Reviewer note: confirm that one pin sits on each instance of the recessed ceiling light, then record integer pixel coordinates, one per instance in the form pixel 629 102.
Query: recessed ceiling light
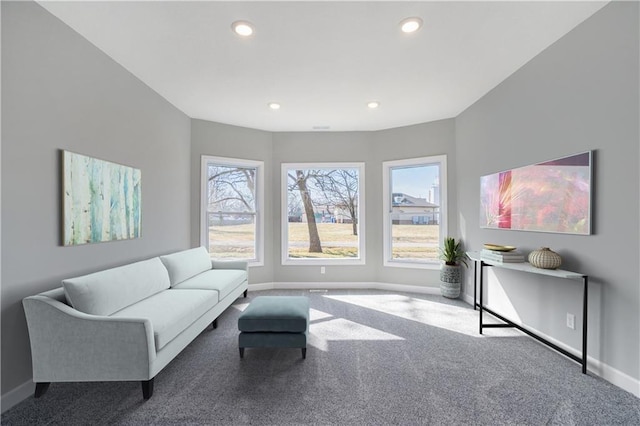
pixel 373 104
pixel 242 28
pixel 410 25
pixel 274 105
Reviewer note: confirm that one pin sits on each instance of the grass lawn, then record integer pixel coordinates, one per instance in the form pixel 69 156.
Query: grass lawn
pixel 232 241
pixel 416 242
pixel 415 234
pixel 338 241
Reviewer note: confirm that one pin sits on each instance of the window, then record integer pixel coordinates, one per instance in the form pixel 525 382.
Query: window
pixel 323 213
pixel 231 217
pixel 415 211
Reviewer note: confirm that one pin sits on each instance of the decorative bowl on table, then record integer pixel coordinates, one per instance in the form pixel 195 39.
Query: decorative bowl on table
pixel 497 247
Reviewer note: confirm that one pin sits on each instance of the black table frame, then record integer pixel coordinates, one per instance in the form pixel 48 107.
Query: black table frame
pixel 508 323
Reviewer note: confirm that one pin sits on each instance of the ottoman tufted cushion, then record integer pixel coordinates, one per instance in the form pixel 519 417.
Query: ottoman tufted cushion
pixel 276 314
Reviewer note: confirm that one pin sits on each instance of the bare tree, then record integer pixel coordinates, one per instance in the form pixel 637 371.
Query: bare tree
pixel 340 189
pixel 231 189
pixel 300 180
pixel 293 205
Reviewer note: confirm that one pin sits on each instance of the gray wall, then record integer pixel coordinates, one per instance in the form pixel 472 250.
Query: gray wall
pixel 224 140
pixel 579 94
pixel 60 92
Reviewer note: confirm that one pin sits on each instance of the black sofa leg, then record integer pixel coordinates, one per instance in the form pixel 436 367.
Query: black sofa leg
pixel 241 352
pixel 304 353
pixel 41 388
pixel 214 324
pixel 245 294
pixel 147 388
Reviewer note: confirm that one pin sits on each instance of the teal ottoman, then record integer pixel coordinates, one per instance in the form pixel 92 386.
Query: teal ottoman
pixel 275 322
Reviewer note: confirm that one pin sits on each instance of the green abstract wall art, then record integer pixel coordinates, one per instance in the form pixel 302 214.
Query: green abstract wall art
pixel 102 200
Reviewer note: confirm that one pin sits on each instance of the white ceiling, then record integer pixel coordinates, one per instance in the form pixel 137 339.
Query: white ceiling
pixel 323 61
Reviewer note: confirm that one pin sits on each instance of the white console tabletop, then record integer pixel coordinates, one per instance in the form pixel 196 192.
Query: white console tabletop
pixel 526 267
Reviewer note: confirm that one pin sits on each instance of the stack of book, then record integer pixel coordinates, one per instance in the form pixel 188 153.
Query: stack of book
pixel 502 256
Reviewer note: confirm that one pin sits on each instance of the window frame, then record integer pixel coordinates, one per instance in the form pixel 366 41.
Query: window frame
pixel 259 202
pixel 387 166
pixel 284 247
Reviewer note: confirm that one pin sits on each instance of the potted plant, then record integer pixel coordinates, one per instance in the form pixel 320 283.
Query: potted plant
pixel 450 273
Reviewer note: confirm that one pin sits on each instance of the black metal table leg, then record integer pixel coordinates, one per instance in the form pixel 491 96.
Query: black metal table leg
pixel 584 324
pixel 475 284
pixel 481 301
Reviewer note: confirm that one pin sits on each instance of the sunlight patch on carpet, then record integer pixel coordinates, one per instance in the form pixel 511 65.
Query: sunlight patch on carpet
pixel 441 315
pixel 240 306
pixel 325 328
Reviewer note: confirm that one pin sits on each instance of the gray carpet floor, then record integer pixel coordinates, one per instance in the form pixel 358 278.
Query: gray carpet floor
pixel 374 358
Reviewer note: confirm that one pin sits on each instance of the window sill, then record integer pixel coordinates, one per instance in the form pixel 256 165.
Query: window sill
pixel 411 265
pixel 323 262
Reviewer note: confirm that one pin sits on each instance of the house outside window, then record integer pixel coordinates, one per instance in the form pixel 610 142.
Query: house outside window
pixel 415 211
pixel 232 222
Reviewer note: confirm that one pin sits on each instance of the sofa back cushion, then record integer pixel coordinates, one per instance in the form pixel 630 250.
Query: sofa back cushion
pixel 186 264
pixel 108 291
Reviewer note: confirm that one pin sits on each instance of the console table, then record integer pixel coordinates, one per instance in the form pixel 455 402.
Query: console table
pixel 526 267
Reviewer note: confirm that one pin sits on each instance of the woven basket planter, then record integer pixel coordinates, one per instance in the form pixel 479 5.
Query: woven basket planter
pixel 450 278
pixel 545 258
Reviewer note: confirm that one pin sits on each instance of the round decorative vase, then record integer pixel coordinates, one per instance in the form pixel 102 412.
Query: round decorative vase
pixel 450 277
pixel 545 258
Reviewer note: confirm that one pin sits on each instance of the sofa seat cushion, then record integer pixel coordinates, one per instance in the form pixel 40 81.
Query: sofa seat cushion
pixel 171 311
pixel 108 291
pixel 222 280
pixel 186 264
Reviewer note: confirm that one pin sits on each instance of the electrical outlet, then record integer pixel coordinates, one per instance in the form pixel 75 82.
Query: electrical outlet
pixel 571 321
pixel 322 270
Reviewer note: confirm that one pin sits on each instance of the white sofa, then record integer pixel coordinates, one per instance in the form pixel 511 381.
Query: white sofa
pixel 129 322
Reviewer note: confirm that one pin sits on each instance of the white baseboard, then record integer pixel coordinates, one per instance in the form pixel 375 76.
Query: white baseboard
pixel 616 377
pixel 467 298
pixel 323 285
pixel 407 288
pixel 594 366
pixel 16 395
pixel 365 285
pixel 260 286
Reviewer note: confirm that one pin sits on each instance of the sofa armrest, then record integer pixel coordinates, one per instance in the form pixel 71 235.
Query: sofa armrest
pixel 230 264
pixel 68 345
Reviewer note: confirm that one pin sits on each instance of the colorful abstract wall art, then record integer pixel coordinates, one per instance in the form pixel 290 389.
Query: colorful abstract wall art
pixel 553 196
pixel 101 200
